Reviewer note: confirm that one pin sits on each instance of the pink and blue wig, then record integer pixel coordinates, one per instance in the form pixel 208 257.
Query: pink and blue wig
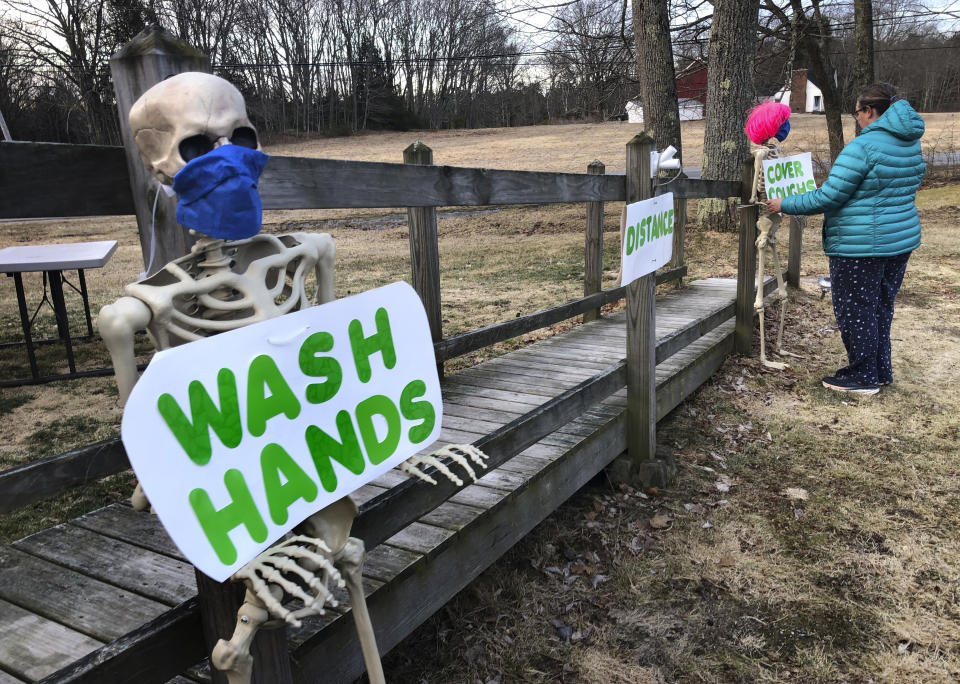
pixel 768 120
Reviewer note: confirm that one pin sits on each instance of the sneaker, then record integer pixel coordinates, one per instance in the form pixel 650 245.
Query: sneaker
pixel 845 385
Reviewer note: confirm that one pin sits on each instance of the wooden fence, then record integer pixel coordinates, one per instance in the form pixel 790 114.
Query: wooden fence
pixel 72 180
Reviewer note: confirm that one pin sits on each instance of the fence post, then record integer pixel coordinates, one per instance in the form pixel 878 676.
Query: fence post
pixel 796 245
pixel 746 263
pixel 593 247
pixel 642 462
pixel 424 250
pixel 679 232
pixel 140 64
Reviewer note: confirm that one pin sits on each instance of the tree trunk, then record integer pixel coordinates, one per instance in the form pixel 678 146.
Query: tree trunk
pixel 730 93
pixel 817 43
pixel 863 38
pixel 658 83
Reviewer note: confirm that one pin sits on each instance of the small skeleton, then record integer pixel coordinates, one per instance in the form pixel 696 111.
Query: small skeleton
pixel 224 285
pixel 767 226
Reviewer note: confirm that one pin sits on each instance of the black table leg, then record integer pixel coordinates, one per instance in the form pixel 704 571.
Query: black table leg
pixel 86 302
pixel 25 322
pixel 60 309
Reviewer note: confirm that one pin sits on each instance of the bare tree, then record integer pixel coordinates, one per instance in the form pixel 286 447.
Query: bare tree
pixel 730 93
pixel 589 52
pixel 71 38
pixel 658 82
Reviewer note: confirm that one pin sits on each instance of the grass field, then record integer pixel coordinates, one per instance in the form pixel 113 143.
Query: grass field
pixel 809 537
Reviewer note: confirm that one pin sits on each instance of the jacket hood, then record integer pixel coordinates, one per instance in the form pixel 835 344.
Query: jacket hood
pixel 900 120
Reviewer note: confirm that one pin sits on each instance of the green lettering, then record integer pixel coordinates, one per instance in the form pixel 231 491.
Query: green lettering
pixel 414 410
pixel 631 239
pixel 642 233
pixel 770 173
pixel 798 169
pixel 264 374
pixel 811 185
pixel 320 367
pixel 241 510
pixel 378 450
pixel 346 452
pixel 194 436
pixel 364 347
pixel 670 214
pixel 274 462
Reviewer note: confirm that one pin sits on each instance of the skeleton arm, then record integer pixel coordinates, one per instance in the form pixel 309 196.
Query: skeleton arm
pixel 117 323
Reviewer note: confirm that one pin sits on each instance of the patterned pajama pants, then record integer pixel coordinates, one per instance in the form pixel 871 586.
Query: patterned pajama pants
pixel 863 294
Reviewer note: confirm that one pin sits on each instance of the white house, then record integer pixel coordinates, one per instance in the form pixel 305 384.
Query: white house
pixel 804 95
pixel 690 110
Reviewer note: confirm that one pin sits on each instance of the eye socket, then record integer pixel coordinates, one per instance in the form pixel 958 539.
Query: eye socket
pixel 195 146
pixel 245 137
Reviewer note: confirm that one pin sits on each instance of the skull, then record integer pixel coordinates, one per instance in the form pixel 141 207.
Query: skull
pixel 186 116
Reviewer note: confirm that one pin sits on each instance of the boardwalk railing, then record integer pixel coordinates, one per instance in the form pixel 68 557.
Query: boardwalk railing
pixel 72 180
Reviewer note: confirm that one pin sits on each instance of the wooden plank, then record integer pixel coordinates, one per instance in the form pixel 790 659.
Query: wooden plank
pixel 384 516
pixel 424 250
pixel 151 654
pixel 52 179
pixel 426 585
pixel 593 247
pixel 6 678
pixel 384 562
pixel 135 569
pixel 746 264
pixel 699 188
pixel 95 608
pixel 498 332
pixel 420 538
pixel 641 321
pixel 134 527
pixel 32 646
pixel 152 56
pixel 452 516
pixel 794 250
pixel 46 477
pixel 301 183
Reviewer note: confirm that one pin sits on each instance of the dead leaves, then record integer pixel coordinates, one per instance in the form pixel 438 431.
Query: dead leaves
pixel 660 521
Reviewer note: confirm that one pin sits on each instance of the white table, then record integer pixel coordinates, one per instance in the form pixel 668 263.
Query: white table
pixel 52 260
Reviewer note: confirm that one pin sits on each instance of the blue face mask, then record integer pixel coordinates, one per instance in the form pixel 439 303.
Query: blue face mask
pixel 218 194
pixel 783 131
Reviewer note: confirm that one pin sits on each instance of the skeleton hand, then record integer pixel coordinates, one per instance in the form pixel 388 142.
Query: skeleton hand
pixel 461 454
pixel 298 556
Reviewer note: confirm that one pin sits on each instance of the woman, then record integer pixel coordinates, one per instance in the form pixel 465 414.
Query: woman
pixel 870 227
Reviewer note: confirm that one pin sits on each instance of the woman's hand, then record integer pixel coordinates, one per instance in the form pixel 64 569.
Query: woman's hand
pixel 773 205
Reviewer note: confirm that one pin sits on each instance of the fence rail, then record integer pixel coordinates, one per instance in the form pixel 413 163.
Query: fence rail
pixel 52 179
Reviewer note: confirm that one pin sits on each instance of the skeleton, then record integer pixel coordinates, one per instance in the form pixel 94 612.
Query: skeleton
pixel 767 226
pixel 224 285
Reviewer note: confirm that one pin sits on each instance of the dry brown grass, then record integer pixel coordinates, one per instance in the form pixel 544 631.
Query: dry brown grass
pixel 859 581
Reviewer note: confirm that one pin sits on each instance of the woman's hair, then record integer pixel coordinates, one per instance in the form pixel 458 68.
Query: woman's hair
pixel 879 96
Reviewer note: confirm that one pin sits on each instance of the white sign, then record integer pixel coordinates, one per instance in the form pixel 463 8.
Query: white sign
pixel 789 175
pixel 239 437
pixel 648 237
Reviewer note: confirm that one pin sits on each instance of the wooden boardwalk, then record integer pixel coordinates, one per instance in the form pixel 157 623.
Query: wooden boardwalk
pixel 68 590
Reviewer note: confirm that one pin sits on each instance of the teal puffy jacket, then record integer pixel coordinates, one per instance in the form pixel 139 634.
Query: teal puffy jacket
pixel 868 200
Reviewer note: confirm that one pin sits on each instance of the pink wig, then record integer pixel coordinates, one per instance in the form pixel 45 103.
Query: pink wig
pixel 765 120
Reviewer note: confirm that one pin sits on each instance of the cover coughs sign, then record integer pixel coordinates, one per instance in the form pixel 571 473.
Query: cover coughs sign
pixel 238 437
pixel 788 175
pixel 648 237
